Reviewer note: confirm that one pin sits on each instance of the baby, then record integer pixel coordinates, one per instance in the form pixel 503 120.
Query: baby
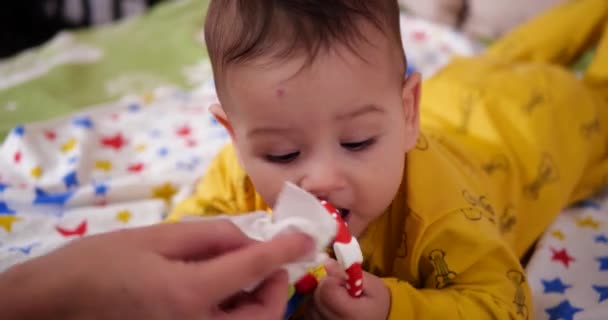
pixel 444 202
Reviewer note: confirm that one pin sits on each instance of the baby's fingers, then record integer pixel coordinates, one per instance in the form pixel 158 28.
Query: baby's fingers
pixel 334 269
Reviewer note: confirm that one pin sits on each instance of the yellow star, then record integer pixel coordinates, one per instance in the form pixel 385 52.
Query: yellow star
pixel 124 216
pixel 588 222
pixel 165 192
pixel 6 222
pixel 103 165
pixel 558 234
pixel 148 98
pixel 36 172
pixel 141 147
pixel 69 146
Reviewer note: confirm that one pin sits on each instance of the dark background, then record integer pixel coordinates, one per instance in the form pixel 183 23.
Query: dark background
pixel 28 23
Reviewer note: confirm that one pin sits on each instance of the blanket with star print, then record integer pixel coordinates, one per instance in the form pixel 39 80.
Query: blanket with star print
pixel 568 272
pixel 111 167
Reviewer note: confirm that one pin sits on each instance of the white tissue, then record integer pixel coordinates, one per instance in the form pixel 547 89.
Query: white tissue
pixel 295 210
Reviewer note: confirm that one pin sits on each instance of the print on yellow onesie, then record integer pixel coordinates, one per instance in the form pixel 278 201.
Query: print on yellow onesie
pixel 508 139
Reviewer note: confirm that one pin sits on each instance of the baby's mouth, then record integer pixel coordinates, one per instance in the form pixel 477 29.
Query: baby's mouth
pixel 344 213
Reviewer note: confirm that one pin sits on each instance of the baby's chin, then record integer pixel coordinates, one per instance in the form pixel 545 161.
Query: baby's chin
pixel 356 225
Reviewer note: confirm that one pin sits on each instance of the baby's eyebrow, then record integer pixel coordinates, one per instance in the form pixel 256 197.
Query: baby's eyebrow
pixel 267 131
pixel 368 108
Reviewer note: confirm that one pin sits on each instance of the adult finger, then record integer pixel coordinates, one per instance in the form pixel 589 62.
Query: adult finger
pixel 268 302
pixel 228 274
pixel 195 240
pixel 314 314
pixel 272 295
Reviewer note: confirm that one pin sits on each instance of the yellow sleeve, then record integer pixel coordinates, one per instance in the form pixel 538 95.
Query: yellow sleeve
pixel 224 189
pixel 466 271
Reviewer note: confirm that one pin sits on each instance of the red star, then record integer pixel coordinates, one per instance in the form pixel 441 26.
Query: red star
pixel 50 135
pixel 184 131
pixel 115 142
pixel 562 256
pixel 419 35
pixel 17 157
pixel 445 48
pixel 138 167
pixel 191 143
pixel 79 230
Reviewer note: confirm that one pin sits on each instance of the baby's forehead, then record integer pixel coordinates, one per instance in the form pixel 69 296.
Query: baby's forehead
pixel 288 95
pixel 276 73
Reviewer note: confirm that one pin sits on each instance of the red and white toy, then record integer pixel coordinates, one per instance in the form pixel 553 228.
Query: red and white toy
pixel 349 256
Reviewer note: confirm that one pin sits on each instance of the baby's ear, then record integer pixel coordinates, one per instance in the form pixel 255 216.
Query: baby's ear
pixel 411 107
pixel 220 115
pixel 218 112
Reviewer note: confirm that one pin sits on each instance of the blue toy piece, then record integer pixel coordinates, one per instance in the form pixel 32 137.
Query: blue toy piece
pixel 294 303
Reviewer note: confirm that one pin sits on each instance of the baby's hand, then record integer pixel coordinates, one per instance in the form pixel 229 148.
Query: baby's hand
pixel 332 301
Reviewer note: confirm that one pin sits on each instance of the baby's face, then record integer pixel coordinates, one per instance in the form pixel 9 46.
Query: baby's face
pixel 339 128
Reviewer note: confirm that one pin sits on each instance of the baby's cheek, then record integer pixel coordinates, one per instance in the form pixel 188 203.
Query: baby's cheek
pixel 268 184
pixel 384 185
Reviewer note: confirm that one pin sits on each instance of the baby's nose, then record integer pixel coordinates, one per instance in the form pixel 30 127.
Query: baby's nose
pixel 323 181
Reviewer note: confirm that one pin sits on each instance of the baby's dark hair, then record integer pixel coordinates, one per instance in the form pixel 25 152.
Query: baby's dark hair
pixel 241 30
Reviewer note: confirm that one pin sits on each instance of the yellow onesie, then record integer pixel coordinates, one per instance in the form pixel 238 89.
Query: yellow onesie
pixel 508 139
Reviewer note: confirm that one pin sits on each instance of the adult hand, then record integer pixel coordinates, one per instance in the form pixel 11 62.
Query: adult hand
pixel 170 271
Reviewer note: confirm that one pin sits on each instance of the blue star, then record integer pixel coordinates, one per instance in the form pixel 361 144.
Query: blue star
pixel 19 131
pixel 5 210
pixel 43 198
pixel 3 187
pixel 603 263
pixel 603 291
pixel 101 189
pixel 601 239
pixel 588 204
pixel 188 165
pixel 154 133
pixel 555 286
pixel 410 69
pixel 73 160
pixel 84 122
pixel 134 107
pixel 26 250
pixel 564 310
pixel 214 121
pixel 163 152
pixel 70 180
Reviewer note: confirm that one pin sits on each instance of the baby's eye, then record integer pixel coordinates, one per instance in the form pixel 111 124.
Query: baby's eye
pixel 282 158
pixel 358 146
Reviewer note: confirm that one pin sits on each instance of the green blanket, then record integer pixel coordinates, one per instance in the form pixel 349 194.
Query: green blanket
pixel 88 67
